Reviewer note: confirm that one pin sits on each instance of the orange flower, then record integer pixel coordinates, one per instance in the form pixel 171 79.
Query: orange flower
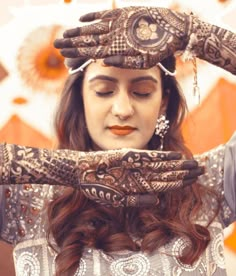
pixel 40 65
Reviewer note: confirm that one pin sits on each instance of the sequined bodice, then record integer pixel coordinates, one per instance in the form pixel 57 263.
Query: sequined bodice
pixel 23 224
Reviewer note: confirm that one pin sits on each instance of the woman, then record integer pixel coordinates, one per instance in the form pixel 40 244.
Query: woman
pixel 108 108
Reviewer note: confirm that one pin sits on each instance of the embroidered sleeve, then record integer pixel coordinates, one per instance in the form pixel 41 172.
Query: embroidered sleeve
pixel 23 211
pixel 214 162
pixel 23 206
pixel 230 174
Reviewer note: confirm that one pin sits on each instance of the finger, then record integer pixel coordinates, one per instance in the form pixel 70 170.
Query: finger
pixel 70 53
pixel 159 183
pixel 157 166
pixel 78 41
pixel 189 164
pixel 176 165
pixel 63 43
pixel 106 14
pixel 135 200
pixel 194 173
pixel 149 157
pixel 91 16
pixel 84 52
pixel 141 200
pixel 178 175
pixel 90 40
pixel 92 29
pixel 130 62
pixel 74 62
pixel 159 186
pixel 172 155
pixel 170 176
pixel 151 182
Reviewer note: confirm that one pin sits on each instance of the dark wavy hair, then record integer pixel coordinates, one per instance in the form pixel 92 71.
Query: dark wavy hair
pixel 76 222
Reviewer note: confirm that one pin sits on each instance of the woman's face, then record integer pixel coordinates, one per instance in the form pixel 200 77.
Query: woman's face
pixel 121 105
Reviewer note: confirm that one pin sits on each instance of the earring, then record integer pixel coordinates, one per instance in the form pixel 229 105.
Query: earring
pixel 161 128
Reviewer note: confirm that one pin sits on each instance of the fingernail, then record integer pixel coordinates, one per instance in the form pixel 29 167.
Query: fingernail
pixel 190 164
pixel 115 60
pixel 174 155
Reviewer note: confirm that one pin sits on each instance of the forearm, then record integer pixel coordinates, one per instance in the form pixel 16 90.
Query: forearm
pixel 19 164
pixel 198 38
pixel 213 44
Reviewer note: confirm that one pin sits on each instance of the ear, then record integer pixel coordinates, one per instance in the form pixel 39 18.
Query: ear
pixel 164 102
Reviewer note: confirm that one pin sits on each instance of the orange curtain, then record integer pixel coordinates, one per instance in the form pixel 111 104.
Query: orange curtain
pixel 213 121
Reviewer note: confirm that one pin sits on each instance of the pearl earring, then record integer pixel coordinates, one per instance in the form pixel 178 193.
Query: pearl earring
pixel 161 128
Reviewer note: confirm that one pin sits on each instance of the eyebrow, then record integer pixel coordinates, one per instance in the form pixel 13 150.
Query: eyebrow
pixel 104 77
pixel 144 78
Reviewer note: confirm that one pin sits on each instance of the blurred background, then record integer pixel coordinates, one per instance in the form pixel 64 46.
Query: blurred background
pixel 32 74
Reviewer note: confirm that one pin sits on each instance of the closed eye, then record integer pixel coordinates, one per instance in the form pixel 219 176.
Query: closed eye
pixel 104 94
pixel 142 94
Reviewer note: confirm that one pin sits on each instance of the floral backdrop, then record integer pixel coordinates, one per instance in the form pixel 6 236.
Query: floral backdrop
pixel 32 74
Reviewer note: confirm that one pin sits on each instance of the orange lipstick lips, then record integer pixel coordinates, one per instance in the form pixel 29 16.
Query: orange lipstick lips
pixel 121 130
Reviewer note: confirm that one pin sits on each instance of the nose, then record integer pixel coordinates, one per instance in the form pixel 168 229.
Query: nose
pixel 122 106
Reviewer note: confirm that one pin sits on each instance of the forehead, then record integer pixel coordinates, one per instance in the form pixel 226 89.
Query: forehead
pixel 121 74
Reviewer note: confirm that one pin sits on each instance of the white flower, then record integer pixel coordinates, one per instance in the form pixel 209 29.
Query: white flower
pixel 146 31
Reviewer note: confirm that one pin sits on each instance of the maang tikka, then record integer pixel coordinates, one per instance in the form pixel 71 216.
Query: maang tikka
pixel 162 126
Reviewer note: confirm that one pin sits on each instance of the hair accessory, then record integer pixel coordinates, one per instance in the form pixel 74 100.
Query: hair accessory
pixel 86 63
pixel 167 72
pixel 162 126
pixel 196 90
pixel 190 54
pixel 81 68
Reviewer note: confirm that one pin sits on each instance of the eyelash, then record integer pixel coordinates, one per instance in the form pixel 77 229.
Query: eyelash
pixel 103 94
pixel 137 94
pixel 142 95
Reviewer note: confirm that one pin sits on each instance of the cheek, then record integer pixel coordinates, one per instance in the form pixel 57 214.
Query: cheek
pixel 149 124
pixel 149 118
pixel 88 112
pixel 94 116
pixel 151 113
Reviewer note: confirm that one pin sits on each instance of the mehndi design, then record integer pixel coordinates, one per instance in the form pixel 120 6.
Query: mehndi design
pixel 140 37
pixel 115 177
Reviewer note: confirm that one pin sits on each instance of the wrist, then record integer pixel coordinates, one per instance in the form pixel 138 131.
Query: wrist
pixel 198 32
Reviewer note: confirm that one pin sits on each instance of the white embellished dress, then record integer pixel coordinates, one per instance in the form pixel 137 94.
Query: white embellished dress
pixel 23 224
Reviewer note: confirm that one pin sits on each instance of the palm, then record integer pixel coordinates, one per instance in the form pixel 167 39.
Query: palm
pixel 111 176
pixel 137 37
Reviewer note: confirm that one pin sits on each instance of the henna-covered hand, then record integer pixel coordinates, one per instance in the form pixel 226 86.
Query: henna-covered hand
pixel 117 177
pixel 132 37
pixel 140 37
